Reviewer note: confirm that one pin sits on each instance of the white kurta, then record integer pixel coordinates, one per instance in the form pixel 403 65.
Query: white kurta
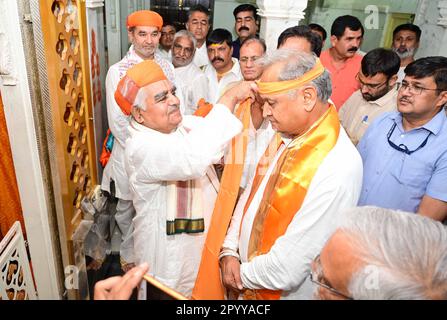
pixel 165 54
pixel 201 59
pixel 335 186
pixel 119 122
pixel 195 86
pixel 217 88
pixel 258 141
pixel 152 158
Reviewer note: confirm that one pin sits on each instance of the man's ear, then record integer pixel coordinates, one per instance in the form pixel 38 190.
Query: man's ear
pixel 130 35
pixel 334 40
pixel 309 98
pixel 136 114
pixel 392 81
pixel 442 99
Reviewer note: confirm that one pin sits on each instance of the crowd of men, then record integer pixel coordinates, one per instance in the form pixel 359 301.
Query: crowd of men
pixel 289 174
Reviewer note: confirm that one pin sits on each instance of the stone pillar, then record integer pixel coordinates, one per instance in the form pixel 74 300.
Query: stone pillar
pixel 278 15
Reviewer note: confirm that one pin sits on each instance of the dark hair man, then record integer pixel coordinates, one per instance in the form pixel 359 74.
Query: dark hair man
pixel 300 38
pixel 342 59
pixel 245 25
pixel 405 153
pixel 223 68
pixel 406 39
pixel 199 24
pixel 377 93
pixel 315 27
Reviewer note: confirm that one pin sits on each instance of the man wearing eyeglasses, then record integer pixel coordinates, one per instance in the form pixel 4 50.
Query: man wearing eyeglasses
pixel 377 93
pixel 405 153
pixel 350 266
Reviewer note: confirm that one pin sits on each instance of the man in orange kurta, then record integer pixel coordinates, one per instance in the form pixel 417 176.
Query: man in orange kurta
pixel 342 60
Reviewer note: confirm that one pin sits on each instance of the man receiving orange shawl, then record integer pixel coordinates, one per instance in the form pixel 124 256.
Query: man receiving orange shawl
pixel 309 173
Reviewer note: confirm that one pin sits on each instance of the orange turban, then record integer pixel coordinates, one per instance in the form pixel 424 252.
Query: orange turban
pixel 137 77
pixel 145 18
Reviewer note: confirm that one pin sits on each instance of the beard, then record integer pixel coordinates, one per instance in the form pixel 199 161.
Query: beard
pixel 405 54
pixel 378 95
pixel 180 62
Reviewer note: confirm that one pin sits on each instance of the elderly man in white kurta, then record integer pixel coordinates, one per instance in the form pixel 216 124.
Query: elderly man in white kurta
pixel 144 34
pixel 167 158
pixel 194 81
pixel 310 172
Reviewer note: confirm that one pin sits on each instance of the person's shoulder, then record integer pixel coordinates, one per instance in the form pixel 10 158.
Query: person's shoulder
pixel 353 100
pixel 357 57
pixel 342 164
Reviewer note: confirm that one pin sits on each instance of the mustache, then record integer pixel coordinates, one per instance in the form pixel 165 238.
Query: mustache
pixel 404 99
pixel 353 49
pixel 243 28
pixel 217 59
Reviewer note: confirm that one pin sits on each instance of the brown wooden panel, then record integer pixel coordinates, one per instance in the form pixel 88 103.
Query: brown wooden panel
pixel 64 30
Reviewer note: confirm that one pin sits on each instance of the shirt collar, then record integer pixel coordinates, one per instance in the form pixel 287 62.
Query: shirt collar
pixel 236 69
pixel 435 125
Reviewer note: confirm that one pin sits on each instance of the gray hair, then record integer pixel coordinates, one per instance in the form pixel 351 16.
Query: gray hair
pixel 255 39
pixel 140 100
pixel 186 34
pixel 296 64
pixel 405 254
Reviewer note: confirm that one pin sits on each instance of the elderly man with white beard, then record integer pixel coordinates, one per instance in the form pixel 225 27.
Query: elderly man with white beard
pixel 193 80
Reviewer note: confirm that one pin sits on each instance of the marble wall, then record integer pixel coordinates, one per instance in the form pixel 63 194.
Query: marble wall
pixel 432 18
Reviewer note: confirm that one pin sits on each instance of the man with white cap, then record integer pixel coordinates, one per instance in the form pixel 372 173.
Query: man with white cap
pixel 167 158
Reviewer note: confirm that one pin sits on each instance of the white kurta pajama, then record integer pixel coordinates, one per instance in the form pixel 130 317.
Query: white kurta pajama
pixel 201 58
pixel 335 186
pixel 217 88
pixel 152 159
pixel 194 86
pixel 118 124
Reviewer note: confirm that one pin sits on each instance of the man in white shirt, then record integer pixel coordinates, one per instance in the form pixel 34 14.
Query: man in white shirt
pixel 406 38
pixel 167 158
pixel 194 81
pixel 223 69
pixel 310 172
pixel 199 24
pixel 377 93
pixel 166 40
pixel 144 34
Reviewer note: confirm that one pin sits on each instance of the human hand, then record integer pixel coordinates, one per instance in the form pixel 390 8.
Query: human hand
pixel 120 288
pixel 238 93
pixel 231 275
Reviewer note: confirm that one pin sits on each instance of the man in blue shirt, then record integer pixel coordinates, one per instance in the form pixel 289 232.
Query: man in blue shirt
pixel 405 153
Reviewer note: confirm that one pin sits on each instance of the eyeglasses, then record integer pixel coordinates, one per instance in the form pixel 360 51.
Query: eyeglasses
pixel 317 277
pixel 371 86
pixel 416 90
pixel 403 148
pixel 244 60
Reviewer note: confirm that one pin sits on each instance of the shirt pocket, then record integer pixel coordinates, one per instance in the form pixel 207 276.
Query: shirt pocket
pixel 415 174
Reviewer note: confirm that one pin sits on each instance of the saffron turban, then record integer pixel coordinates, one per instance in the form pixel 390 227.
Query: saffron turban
pixel 145 18
pixel 137 77
pixel 284 86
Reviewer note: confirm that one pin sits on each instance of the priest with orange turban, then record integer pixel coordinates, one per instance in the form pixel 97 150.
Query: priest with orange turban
pixel 309 173
pixel 167 160
pixel 144 29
